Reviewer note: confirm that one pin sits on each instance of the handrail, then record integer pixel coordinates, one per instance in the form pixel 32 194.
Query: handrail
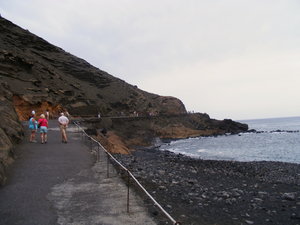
pixel 131 175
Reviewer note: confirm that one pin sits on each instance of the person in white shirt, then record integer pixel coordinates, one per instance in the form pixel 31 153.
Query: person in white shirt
pixel 63 124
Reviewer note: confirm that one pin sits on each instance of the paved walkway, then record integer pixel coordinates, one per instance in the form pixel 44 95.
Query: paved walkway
pixel 56 183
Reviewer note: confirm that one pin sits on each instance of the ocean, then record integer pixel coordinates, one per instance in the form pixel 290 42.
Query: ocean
pixel 277 139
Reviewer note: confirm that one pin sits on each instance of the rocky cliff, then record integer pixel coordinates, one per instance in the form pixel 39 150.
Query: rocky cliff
pixel 124 134
pixel 36 75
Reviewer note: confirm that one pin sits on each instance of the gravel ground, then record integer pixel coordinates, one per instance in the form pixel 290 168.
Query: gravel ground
pixel 210 192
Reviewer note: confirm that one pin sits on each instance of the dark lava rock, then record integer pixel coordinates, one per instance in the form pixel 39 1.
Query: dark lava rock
pixel 219 192
pixel 36 75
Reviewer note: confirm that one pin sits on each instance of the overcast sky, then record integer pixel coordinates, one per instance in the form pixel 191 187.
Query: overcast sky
pixel 237 59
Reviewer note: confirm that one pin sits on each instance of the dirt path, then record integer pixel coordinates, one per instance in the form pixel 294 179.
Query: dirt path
pixel 58 183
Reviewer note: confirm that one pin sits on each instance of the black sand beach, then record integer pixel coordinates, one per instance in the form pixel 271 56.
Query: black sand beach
pixel 210 192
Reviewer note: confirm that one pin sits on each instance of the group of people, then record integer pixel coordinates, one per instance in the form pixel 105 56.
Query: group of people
pixel 42 125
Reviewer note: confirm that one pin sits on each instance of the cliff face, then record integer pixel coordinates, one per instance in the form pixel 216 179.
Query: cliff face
pixel 35 75
pixel 44 76
pixel 144 131
pixel 11 131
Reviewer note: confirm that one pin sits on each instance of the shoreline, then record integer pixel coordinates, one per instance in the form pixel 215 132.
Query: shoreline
pixel 196 191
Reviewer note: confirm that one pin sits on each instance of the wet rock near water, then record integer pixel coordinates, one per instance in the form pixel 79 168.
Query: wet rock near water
pixel 219 192
pixel 272 131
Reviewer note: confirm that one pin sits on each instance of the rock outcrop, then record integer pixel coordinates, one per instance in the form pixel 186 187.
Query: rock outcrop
pixel 43 76
pixel 11 131
pixel 36 75
pixel 145 131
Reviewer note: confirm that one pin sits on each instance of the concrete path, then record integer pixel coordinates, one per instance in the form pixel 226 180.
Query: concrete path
pixel 58 183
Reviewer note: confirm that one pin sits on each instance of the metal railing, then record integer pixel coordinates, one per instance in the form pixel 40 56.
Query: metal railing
pixel 129 174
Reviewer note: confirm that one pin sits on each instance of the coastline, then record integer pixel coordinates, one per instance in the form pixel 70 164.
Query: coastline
pixel 196 191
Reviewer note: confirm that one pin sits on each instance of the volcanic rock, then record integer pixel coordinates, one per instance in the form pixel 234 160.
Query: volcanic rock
pixel 36 75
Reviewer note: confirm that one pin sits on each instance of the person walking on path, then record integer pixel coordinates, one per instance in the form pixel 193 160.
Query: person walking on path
pixel 43 124
pixel 47 115
pixel 63 124
pixel 32 128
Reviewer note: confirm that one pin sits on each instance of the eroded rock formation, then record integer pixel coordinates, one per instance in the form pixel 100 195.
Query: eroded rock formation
pixel 36 75
pixel 11 131
pixel 44 76
pixel 144 131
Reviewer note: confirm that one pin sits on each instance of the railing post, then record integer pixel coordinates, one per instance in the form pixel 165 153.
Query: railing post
pixel 128 183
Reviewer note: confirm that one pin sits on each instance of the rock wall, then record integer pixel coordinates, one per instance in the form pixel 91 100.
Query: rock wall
pixel 44 76
pixel 11 130
pixel 36 75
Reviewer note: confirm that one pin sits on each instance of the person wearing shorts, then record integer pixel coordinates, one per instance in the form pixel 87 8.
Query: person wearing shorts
pixel 33 128
pixel 43 124
pixel 63 124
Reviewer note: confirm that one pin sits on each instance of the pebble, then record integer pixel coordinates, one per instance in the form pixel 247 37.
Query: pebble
pixel 262 194
pixel 174 182
pixel 230 201
pixel 232 186
pixel 161 172
pixel 223 194
pixel 295 216
pixel 193 171
pixel 289 196
pixel 258 200
pixel 247 215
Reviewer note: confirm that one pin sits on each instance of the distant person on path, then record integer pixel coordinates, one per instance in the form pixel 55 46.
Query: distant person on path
pixel 67 114
pixel 32 128
pixel 63 124
pixel 43 124
pixel 47 114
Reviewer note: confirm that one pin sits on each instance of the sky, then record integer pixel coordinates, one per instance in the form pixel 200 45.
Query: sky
pixel 237 59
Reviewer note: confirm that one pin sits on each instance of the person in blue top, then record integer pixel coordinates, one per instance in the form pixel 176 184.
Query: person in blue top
pixel 32 128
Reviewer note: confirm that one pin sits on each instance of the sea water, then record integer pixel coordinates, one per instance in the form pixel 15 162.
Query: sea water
pixel 276 140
